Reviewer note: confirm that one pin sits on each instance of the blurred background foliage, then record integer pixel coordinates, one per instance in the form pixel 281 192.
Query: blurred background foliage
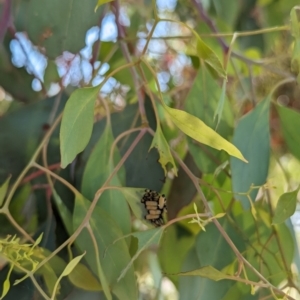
pixel 49 49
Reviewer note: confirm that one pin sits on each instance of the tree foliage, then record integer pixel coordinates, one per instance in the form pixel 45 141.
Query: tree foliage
pixel 101 102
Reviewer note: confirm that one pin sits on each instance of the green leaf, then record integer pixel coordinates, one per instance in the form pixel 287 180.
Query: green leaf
pixel 6 283
pixel 290 122
pixel 133 197
pixel 170 260
pixel 77 123
pixel 55 25
pixel 101 2
pixel 51 74
pixel 203 102
pixel 98 168
pixel 207 54
pixel 206 272
pixel 145 239
pixel 252 136
pixel 63 211
pixel 105 231
pixel 219 110
pixel 3 190
pixel 83 278
pixel 286 206
pixel 68 269
pixel 165 156
pixel 71 265
pixel 197 129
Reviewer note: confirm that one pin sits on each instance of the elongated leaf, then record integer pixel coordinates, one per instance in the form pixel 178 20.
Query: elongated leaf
pixel 77 123
pixel 83 278
pixel 290 122
pixel 63 211
pixel 197 129
pixel 203 102
pixel 97 171
pixel 165 156
pixel 145 240
pixel 71 265
pixel 295 29
pixel 106 232
pixel 252 136
pixel 3 190
pixel 206 272
pixel 286 206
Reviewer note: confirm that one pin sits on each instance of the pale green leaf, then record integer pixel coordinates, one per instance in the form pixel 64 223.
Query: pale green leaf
pixel 3 190
pixel 83 278
pixel 6 283
pixel 145 239
pixel 77 123
pixel 68 269
pixel 72 264
pixel 219 110
pixel 200 132
pixel 101 2
pixel 286 206
pixel 208 55
pixel 207 272
pixel 159 141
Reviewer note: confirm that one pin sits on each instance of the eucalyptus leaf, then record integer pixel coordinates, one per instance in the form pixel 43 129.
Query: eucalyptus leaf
pixel 77 123
pixel 286 206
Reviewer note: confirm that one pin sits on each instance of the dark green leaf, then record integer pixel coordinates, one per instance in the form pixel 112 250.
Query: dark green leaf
pixel 285 207
pixel 252 136
pixel 106 232
pixel 98 168
pixel 56 25
pixel 77 123
pixel 3 190
pixel 290 122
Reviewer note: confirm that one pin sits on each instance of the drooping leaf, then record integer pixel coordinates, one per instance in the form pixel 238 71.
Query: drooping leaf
pixel 3 190
pixel 199 131
pixel 98 168
pixel 83 278
pixel 165 156
pixel 105 231
pixel 203 102
pixel 56 25
pixel 286 206
pixel 290 122
pixel 252 136
pixel 77 123
pixel 206 272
